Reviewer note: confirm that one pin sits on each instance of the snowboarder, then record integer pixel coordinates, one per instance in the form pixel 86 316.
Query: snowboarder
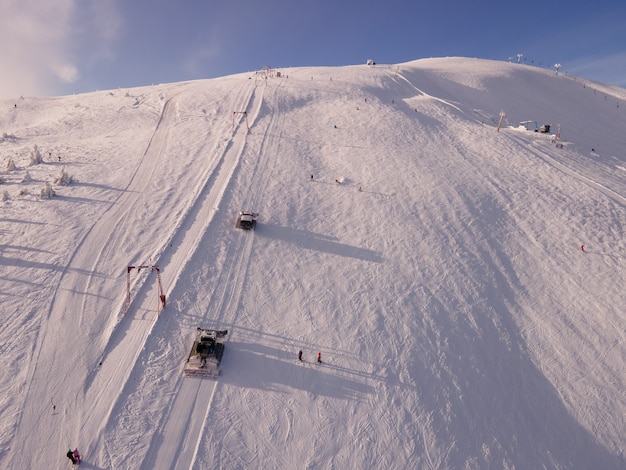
pixel 77 456
pixel 319 357
pixel 70 455
pixel 582 248
pixel 300 355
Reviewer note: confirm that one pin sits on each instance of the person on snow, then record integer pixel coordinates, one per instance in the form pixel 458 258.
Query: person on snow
pixel 582 248
pixel 319 357
pixel 77 456
pixel 300 355
pixel 70 455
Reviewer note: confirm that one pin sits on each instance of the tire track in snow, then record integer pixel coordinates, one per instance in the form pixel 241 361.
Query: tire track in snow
pixel 239 252
pixel 132 333
pixel 185 241
pixel 188 400
pixel 193 399
pixel 269 147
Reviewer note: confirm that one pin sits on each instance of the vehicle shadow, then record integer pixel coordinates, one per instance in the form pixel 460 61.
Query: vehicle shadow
pixel 317 242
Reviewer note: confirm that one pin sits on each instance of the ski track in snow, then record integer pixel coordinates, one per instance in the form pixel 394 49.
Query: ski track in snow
pixel 188 403
pixel 78 278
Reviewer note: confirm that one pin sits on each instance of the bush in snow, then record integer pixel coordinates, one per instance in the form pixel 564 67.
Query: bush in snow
pixel 10 165
pixel 47 192
pixel 35 156
pixel 63 179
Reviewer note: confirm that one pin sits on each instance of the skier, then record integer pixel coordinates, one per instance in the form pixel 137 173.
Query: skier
pixel 77 456
pixel 300 355
pixel 70 455
pixel 311 177
pixel 319 357
pixel 582 248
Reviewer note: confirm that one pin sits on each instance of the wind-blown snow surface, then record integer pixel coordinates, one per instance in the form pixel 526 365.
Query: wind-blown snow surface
pixel 460 324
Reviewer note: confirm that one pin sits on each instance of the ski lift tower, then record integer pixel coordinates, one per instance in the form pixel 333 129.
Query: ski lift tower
pixel 161 304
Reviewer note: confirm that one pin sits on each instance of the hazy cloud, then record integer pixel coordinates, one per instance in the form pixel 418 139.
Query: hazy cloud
pixel 43 42
pixel 198 59
pixel 610 69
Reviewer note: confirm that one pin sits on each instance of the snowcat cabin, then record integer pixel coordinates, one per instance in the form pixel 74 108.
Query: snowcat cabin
pixel 206 353
pixel 246 220
pixel 206 346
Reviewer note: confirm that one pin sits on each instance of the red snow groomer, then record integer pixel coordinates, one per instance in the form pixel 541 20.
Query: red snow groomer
pixel 206 353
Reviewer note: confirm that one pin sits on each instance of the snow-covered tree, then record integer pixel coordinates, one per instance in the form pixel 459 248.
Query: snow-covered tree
pixel 62 179
pixel 10 165
pixel 35 156
pixel 47 192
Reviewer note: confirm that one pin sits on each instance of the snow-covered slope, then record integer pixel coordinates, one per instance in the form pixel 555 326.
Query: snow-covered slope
pixel 434 262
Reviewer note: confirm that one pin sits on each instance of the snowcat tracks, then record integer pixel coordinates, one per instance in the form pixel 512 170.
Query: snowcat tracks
pixel 202 373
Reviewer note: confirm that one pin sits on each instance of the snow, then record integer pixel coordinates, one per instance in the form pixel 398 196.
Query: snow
pixel 459 323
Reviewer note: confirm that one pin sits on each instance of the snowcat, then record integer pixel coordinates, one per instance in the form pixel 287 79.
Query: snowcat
pixel 206 353
pixel 246 220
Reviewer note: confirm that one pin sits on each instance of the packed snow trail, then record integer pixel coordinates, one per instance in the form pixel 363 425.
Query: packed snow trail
pixel 177 441
pixel 182 245
pixel 82 276
pixel 106 373
pixel 182 422
pixel 549 153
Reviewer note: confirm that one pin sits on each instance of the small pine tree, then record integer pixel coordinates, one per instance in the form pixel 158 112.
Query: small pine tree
pixel 10 165
pixel 47 192
pixel 5 196
pixel 35 156
pixel 63 179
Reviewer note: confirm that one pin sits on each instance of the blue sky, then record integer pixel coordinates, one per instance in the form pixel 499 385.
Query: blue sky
pixel 58 47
